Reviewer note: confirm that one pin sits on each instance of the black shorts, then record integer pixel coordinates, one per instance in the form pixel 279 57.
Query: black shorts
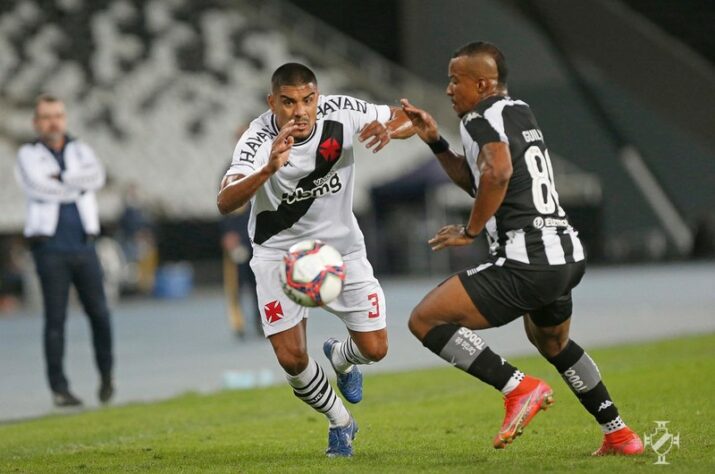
pixel 504 293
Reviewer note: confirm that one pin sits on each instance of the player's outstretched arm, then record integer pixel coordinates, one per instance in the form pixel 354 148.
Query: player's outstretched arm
pixel 238 189
pixel 380 134
pixel 454 164
pixel 400 126
pixel 495 171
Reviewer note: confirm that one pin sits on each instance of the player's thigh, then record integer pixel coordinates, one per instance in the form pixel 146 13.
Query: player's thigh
pixel 447 303
pixel 278 312
pixel 500 294
pixel 554 285
pixel 361 304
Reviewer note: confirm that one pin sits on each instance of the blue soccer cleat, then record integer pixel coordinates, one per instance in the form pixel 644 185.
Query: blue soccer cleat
pixel 350 384
pixel 340 440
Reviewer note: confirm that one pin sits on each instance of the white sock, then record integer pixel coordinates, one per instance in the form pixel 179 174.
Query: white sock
pixel 513 382
pixel 613 425
pixel 313 388
pixel 346 354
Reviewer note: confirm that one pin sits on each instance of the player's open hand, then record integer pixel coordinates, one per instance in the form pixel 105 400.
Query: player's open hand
pixel 282 145
pixel 424 124
pixel 449 236
pixel 377 133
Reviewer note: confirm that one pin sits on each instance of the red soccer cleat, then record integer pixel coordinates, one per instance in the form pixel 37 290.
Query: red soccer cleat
pixel 624 442
pixel 522 404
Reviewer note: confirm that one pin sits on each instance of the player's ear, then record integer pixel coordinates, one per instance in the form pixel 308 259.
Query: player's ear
pixel 270 101
pixel 481 85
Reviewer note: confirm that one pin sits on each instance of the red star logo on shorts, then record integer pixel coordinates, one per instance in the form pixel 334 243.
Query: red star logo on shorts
pixel 330 149
pixel 274 311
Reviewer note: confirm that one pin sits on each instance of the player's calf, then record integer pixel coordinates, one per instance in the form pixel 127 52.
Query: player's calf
pixel 524 396
pixel 581 374
pixel 312 386
pixel 344 357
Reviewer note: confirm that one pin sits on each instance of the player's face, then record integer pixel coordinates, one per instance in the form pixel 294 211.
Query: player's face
pixel 463 89
pixel 50 121
pixel 298 103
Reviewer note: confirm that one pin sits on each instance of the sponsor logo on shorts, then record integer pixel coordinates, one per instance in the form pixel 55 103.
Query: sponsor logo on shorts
pixel 274 311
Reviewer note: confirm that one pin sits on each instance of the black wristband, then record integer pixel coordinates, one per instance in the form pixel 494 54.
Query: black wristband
pixel 466 233
pixel 440 146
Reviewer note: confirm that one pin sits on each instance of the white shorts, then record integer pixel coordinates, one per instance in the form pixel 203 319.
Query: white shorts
pixel 361 305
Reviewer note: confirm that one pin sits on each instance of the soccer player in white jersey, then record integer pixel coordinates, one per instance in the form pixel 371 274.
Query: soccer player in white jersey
pixel 295 164
pixel 536 256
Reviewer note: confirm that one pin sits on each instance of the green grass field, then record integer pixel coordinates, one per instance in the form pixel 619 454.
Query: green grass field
pixel 431 420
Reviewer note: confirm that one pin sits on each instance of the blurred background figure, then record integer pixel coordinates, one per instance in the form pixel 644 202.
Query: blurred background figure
pixel 135 234
pixel 10 274
pixel 59 176
pixel 239 282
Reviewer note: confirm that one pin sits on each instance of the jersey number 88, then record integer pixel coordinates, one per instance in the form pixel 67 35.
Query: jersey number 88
pixel 546 199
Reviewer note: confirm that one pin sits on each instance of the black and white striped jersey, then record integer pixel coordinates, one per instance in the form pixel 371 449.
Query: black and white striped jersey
pixel 530 226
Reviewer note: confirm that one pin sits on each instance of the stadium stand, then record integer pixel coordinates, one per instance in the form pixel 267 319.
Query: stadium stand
pixel 158 88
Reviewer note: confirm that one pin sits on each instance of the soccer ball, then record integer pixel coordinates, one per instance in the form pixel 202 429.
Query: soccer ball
pixel 313 273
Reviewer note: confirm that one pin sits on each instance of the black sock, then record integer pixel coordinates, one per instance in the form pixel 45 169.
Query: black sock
pixel 581 374
pixel 464 349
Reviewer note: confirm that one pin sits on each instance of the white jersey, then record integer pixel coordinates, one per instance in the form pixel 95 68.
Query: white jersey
pixel 311 197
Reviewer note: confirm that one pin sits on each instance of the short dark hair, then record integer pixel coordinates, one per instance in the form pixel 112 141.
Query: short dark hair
pixel 484 47
pixel 292 74
pixel 45 98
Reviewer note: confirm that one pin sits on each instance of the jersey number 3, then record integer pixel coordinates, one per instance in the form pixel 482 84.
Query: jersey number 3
pixel 375 302
pixel 546 199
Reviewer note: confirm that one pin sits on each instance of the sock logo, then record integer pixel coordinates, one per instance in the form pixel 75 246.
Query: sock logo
pixel 472 337
pixel 605 405
pixel 575 381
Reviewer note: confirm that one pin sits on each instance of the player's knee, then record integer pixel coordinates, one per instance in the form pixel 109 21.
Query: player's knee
pixel 293 360
pixel 419 323
pixel 550 346
pixel 530 336
pixel 414 322
pixel 375 352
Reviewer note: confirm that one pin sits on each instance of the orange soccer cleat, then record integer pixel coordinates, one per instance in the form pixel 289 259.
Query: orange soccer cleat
pixel 522 404
pixel 624 442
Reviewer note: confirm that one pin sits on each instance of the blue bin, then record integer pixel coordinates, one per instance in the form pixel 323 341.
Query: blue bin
pixel 174 280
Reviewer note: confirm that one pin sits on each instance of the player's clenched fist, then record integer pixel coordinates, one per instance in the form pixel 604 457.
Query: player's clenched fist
pixel 282 144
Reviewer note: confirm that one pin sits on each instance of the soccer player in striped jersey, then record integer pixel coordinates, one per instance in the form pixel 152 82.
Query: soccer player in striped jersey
pixel 536 256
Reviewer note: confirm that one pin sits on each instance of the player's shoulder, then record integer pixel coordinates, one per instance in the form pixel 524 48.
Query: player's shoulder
pixel 490 107
pixel 494 103
pixel 337 104
pixel 264 123
pixel 263 129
